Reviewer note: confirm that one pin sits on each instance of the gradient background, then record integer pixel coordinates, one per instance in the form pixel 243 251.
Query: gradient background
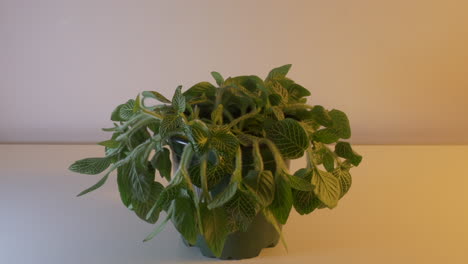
pixel 398 68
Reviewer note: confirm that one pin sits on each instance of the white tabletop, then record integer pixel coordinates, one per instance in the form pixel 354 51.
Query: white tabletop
pixel 408 204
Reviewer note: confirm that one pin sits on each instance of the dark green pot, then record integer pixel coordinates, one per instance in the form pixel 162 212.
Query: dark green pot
pixel 240 245
pixel 259 235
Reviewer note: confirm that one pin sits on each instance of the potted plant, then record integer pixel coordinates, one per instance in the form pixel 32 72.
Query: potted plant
pixel 229 147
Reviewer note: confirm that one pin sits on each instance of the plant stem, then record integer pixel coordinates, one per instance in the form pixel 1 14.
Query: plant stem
pixel 203 177
pixel 246 116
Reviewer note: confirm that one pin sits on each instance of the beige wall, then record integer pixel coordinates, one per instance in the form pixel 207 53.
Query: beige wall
pixel 398 68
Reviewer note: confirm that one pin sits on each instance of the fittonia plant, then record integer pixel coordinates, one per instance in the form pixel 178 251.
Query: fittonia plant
pixel 219 124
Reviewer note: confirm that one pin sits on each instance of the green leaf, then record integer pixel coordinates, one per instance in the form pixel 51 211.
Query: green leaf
pixel 326 135
pixel 328 161
pixel 159 228
pixel 164 200
pixel 305 202
pixel 275 99
pixel 124 184
pixel 262 184
pixel 296 92
pixel 115 116
pixel 345 180
pixel 199 89
pixel 154 126
pixel 214 173
pixel 321 116
pixel 178 101
pixel 162 162
pixel 300 184
pixel 200 134
pixel 327 187
pixel 340 124
pixel 274 222
pixel 91 166
pixel 344 150
pixel 282 203
pixel 224 196
pixel 170 124
pixel 126 111
pixel 157 96
pixel 279 72
pixel 95 186
pixel 215 228
pixel 282 92
pixel 137 105
pixel 141 185
pixel 109 143
pixel 218 78
pixel 241 211
pixel 290 138
pixel 224 142
pixel 184 217
pixel 143 208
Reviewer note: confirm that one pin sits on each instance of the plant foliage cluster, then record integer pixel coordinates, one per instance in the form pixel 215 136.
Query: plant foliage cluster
pixel 228 128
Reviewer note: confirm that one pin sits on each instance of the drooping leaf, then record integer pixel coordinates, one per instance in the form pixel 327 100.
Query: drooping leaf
pixel 304 201
pixel 241 210
pixel 262 184
pixel 91 166
pixel 326 135
pixel 290 138
pixel 164 200
pixel 279 72
pixel 124 184
pixel 184 218
pixel 321 116
pixel 111 143
pixel 178 101
pixel 345 180
pixel 327 187
pixel 141 184
pixel 344 150
pixel 299 183
pixel 142 208
pixel 282 203
pixel 328 161
pixel 340 124
pixel 159 227
pixel 224 196
pixel 215 228
pixel 218 78
pixel 95 186
pixel 155 95
pixel 270 217
pixel 162 162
